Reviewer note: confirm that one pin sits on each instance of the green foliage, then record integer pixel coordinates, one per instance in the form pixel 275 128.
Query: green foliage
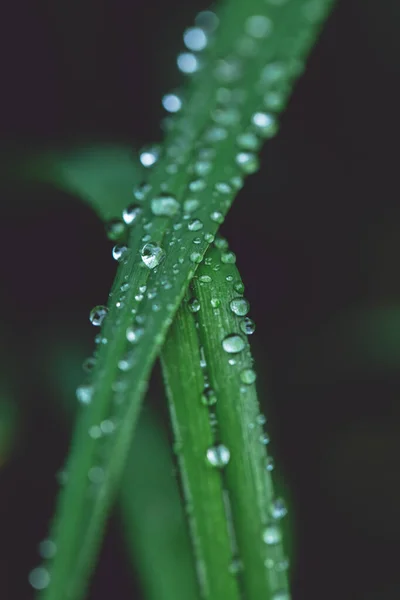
pixel 230 106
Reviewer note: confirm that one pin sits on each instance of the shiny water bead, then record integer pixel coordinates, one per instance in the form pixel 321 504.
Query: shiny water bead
pixel 239 306
pixel 152 255
pixel 278 508
pixel 222 187
pixel 218 456
pixel 228 258
pixel 228 70
pixel 47 549
pixel 209 397
pixel 39 578
pixel 221 243
pixel 264 438
pixel 195 39
pixel 131 214
pixel 209 237
pixel 273 73
pixel 248 141
pixel 194 305
pixel 196 257
pixel 133 334
pixel 191 205
pixel 197 185
pixel 226 116
pixel 237 182
pixel 258 26
pixel 274 100
pixel 247 326
pixel 195 225
pixel 236 566
pixel 96 475
pixel 141 191
pixel 84 394
pixel 205 279
pixel 207 20
pixel 270 464
pixel 217 217
pixel 233 343
pixel 115 230
pixel 282 565
pixel 98 314
pixel 119 251
pixel 149 155
pixel 261 420
pixel 247 161
pixel 272 535
pixel 248 376
pixel 216 134
pixel 215 302
pixel 238 286
pixel 265 124
pixel 165 205
pixel 172 103
pixel 187 63
pixel 202 167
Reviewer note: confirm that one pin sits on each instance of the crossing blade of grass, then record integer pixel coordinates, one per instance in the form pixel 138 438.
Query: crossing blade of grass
pixel 202 485
pixel 237 441
pixel 153 518
pixel 148 290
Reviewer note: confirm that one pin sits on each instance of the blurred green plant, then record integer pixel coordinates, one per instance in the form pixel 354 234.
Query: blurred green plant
pixel 241 64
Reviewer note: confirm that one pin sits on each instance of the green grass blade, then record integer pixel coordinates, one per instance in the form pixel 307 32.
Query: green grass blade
pixel 119 381
pixel 202 485
pixel 153 519
pixel 237 426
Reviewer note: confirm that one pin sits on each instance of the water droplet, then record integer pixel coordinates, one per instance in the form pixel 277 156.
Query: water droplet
pixel 197 185
pixel 47 549
pixel 215 302
pixel 39 578
pixel 119 252
pixel 221 243
pixel 226 116
pixel 261 420
pixel 239 287
pixel 195 39
pixel 264 438
pixel 107 426
pixel 115 230
pixel 141 191
pixel 239 306
pixel 202 167
pixel 152 255
pixel 233 343
pixel 209 397
pixel 217 217
pixel 149 156
pixel 248 141
pixel 273 73
pixel 194 305
pixel 209 237
pixel 272 535
pixel 270 464
pixel 84 394
pixel 248 376
pixel 205 279
pixel 131 214
pixel 196 257
pixel 247 326
pixel 258 26
pixel 247 161
pixel 278 508
pixel 195 225
pixel 228 258
pixel 133 334
pixel 236 566
pixel 218 456
pixel 265 124
pixel 216 134
pixel 172 103
pixel 207 20
pixel 282 565
pixel 98 314
pixel 190 205
pixel 96 475
pixel 282 595
pixel 229 69
pixel 165 205
pixel 187 63
pixel 223 188
pixel 274 100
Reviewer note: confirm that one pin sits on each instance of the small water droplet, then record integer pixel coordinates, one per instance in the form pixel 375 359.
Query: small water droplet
pixel 39 578
pixel 221 243
pixel 119 252
pixel 209 237
pixel 149 156
pixel 226 116
pixel 188 63
pixel 47 549
pixel 265 124
pixel 98 314
pixel 84 394
pixel 190 205
pixel 115 230
pixel 258 26
pixel 274 100
pixel 248 141
pixel 152 255
pixel 236 566
pixel 229 69
pixel 96 475
pixel 197 185
pixel 165 205
pixel 239 306
pixel 278 508
pixel 172 103
pixel 272 535
pixel 195 225
pixel 195 39
pixel 209 397
pixel 196 257
pixel 215 302
pixel 228 258
pixel 141 191
pixel 270 464
pixel 247 326
pixel 222 187
pixel 207 20
pixel 282 595
pixel 248 376
pixel 133 334
pixel 205 279
pixel 264 438
pixel 217 217
pixel 218 456
pixel 261 420
pixel 233 343
pixel 248 162
pixel 216 134
pixel 194 305
pixel 239 287
pixel 131 214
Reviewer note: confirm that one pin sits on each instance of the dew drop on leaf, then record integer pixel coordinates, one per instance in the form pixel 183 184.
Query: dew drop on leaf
pixel 39 578
pixel 272 535
pixel 165 205
pixel 119 252
pixel 172 103
pixel 247 326
pixel 195 225
pixel 248 376
pixel 98 314
pixel 131 213
pixel 194 305
pixel 258 26
pixel 247 161
pixel 278 508
pixel 239 306
pixel 228 258
pixel 233 344
pixel 187 63
pixel 195 39
pixel 196 257
pixel 190 205
pixel 149 156
pixel 218 456
pixel 209 397
pixel 152 255
pixel 217 217
pixel 115 230
pixel 265 124
pixel 270 464
pixel 133 334
pixel 84 394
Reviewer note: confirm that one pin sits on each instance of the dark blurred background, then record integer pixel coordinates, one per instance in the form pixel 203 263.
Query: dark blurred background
pixel 316 233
